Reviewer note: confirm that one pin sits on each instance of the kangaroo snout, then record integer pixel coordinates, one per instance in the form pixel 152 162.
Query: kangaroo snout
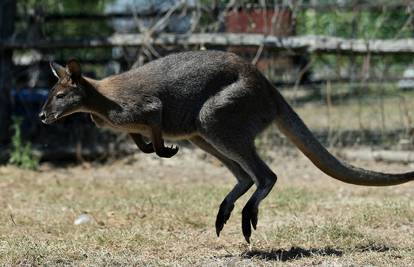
pixel 48 118
pixel 42 116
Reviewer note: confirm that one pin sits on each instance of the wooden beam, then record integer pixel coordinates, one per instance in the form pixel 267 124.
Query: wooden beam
pixel 371 6
pixel 297 44
pixel 89 16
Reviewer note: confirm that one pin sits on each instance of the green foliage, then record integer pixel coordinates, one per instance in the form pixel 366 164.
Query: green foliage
pixel 364 23
pixel 68 29
pixel 359 23
pixel 22 154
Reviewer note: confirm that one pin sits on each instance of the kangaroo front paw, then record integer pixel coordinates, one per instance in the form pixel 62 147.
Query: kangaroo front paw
pixel 167 152
pixel 148 148
pixel 249 218
pixel 223 215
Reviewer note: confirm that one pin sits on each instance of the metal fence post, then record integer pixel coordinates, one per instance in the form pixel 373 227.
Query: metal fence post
pixel 7 16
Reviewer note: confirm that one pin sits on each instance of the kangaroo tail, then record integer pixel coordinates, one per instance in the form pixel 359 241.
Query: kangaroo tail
pixel 296 130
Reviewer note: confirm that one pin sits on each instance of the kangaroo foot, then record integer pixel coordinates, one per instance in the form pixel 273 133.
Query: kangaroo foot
pixel 223 215
pixel 249 218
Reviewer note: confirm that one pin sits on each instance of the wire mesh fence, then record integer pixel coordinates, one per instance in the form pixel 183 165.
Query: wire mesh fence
pixel 345 66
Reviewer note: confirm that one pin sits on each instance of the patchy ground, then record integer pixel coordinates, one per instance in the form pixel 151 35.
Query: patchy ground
pixel 152 211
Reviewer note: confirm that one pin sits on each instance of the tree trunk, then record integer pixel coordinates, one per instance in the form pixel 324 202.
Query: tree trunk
pixel 7 14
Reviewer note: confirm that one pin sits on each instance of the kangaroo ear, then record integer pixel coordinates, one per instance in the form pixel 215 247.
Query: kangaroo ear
pixel 57 70
pixel 74 70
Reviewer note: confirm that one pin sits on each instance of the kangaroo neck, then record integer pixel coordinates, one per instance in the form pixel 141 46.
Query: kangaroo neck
pixel 97 102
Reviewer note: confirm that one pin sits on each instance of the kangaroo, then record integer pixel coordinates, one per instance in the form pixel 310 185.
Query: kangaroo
pixel 214 99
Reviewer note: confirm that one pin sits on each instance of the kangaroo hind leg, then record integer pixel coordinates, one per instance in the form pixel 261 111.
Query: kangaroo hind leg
pixel 242 151
pixel 265 182
pixel 244 182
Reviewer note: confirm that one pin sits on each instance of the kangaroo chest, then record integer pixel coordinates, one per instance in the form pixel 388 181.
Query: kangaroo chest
pixel 127 127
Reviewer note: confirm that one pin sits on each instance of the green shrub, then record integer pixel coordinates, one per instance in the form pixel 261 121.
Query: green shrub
pixel 21 153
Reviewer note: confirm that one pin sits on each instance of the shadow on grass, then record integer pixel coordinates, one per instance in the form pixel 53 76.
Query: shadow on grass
pixel 373 248
pixel 293 253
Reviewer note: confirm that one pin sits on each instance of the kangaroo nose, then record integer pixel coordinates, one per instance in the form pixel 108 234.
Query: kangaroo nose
pixel 42 116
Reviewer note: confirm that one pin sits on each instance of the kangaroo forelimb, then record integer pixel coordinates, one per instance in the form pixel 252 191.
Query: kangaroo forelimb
pixel 158 144
pixel 147 148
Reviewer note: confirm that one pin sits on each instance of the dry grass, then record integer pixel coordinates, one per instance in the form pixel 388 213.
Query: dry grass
pixel 149 211
pixel 370 111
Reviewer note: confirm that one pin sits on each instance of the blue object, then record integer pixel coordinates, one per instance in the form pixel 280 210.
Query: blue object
pixel 27 103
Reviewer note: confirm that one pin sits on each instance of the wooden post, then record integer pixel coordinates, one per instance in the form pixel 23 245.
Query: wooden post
pixel 7 16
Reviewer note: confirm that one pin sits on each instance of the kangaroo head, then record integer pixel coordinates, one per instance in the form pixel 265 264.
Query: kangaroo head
pixel 68 94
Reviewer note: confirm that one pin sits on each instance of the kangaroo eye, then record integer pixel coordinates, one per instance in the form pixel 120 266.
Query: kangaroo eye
pixel 60 95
